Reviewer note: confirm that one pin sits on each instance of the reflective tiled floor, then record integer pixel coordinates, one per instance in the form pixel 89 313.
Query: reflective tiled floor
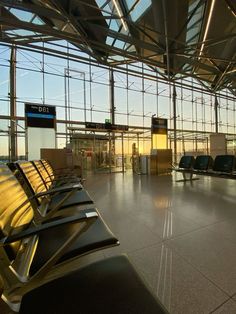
pixel 180 236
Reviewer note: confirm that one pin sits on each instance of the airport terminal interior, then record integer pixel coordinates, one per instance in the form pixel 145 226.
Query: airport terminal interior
pixel 117 156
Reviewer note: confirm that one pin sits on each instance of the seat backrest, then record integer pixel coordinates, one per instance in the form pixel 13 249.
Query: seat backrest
pixel 203 162
pixel 48 168
pixel 186 162
pixel 42 172
pixel 224 163
pixel 16 212
pixel 30 173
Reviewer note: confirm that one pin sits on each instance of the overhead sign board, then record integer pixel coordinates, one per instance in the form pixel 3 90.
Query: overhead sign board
pixel 40 116
pixel 159 126
pixel 106 126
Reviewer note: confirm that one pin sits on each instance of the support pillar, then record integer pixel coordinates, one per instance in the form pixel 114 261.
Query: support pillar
pixel 112 107
pixel 216 114
pixel 174 121
pixel 122 150
pixel 12 129
pixel 112 97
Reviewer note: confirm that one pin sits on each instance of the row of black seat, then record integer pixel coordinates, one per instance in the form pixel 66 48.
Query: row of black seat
pixel 47 220
pixel 222 165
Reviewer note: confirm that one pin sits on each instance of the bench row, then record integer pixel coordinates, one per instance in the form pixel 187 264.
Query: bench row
pixel 48 220
pixel 222 165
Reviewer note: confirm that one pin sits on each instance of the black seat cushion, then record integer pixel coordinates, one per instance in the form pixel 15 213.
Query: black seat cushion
pixel 224 163
pixel 109 286
pixel 186 162
pixel 78 198
pixel 98 236
pixel 203 162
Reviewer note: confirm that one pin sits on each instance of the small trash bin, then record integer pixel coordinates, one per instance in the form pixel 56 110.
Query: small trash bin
pixel 144 159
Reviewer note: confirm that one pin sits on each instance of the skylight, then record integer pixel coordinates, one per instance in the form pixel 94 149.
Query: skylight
pixel 119 44
pixel 116 24
pixel 22 15
pixel 195 23
pixel 26 16
pixel 23 32
pixel 37 21
pixel 138 8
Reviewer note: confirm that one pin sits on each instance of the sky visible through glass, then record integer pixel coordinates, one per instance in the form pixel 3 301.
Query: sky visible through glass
pixel 41 79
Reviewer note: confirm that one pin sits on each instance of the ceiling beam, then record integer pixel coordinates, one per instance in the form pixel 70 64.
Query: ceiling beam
pixel 32 8
pixel 46 30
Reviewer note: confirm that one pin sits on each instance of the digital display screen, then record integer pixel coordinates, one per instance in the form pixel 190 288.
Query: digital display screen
pixel 159 126
pixel 40 116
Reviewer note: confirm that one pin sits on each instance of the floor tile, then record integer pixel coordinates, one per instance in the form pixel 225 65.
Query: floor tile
pixel 144 205
pixel 166 223
pixel 180 235
pixel 228 307
pixel 133 235
pixel 206 201
pixel 234 297
pixel 180 287
pixel 226 229
pixel 211 254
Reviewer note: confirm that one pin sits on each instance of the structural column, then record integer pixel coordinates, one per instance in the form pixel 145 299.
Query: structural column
pixel 112 110
pixel 112 97
pixel 12 129
pixel 216 114
pixel 174 121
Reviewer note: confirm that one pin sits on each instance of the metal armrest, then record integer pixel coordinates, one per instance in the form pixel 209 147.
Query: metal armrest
pixel 69 192
pixel 80 217
pixel 74 187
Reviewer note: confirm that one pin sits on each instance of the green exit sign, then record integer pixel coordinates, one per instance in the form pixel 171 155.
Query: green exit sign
pixel 107 120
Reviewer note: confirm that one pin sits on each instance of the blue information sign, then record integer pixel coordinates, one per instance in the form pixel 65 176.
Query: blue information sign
pixel 40 116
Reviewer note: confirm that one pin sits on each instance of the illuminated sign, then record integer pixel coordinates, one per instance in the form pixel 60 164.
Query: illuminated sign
pixel 159 126
pixel 106 126
pixel 40 116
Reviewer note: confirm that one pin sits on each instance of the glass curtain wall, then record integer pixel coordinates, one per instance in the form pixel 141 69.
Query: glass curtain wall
pixel 80 90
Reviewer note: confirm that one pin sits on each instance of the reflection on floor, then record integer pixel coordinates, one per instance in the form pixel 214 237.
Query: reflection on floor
pixel 180 236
